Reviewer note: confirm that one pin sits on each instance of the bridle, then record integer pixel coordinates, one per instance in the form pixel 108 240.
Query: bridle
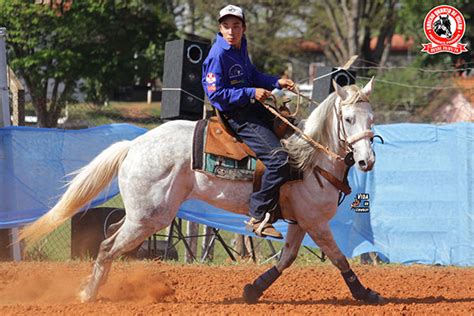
pixel 347 144
pixel 346 141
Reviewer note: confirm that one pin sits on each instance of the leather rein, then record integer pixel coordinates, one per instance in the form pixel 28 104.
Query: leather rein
pixel 347 142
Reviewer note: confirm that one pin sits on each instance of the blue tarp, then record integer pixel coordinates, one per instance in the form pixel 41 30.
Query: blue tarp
pixel 420 191
pixel 34 163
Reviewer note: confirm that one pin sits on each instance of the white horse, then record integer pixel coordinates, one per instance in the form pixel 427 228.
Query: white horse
pixel 155 177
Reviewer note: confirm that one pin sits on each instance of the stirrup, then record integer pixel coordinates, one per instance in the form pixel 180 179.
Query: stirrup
pixel 265 224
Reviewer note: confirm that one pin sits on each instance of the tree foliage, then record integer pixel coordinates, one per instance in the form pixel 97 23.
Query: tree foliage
pixel 107 43
pixel 267 22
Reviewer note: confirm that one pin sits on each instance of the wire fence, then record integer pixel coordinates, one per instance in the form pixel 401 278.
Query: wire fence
pixel 401 94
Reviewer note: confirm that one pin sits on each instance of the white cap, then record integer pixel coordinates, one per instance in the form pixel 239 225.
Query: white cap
pixel 232 10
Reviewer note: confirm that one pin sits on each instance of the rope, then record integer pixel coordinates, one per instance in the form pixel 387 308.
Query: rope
pixel 204 111
pixel 303 135
pixel 411 85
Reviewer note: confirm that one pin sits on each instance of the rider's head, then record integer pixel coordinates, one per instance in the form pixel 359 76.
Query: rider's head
pixel 232 25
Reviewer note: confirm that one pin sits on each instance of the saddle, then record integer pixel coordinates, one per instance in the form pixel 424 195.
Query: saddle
pixel 222 141
pixel 219 152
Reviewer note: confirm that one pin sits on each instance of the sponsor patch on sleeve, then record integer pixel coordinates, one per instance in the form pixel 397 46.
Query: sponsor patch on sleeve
pixel 211 88
pixel 210 78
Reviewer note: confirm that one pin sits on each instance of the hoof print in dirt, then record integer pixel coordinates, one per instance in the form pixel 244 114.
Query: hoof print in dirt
pixel 251 294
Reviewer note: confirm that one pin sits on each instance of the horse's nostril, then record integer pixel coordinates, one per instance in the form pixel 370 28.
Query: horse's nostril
pixel 362 163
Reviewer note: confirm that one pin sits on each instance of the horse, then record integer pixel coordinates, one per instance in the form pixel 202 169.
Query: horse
pixel 155 177
pixel 442 27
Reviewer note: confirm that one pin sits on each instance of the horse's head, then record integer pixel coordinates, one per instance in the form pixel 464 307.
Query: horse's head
pixel 355 119
pixel 442 26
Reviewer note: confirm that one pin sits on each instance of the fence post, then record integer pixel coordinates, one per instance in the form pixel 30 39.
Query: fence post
pixel 4 104
pixel 191 232
pixel 18 99
pixel 208 234
pixel 4 122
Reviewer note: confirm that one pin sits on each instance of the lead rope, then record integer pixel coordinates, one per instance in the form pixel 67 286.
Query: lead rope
pixel 311 141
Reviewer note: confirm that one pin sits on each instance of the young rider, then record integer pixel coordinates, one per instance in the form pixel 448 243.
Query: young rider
pixel 235 87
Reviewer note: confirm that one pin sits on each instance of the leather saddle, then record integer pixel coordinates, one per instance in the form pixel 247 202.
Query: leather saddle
pixel 222 141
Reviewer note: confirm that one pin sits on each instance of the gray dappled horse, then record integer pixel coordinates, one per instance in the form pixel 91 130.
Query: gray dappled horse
pixel 155 177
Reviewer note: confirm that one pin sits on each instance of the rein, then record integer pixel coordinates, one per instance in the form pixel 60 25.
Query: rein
pixel 343 186
pixel 311 141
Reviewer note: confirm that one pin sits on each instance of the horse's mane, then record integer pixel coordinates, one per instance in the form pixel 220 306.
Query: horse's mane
pixel 319 126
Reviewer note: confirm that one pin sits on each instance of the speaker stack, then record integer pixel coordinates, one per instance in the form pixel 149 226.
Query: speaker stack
pixel 5 245
pixel 323 86
pixel 183 95
pixel 89 229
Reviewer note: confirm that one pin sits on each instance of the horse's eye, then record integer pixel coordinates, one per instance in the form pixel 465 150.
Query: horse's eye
pixel 348 120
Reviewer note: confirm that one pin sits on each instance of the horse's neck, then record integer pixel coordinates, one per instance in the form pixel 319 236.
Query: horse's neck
pixel 337 168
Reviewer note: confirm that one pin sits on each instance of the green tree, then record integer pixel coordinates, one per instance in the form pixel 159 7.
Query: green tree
pixel 268 21
pixel 107 43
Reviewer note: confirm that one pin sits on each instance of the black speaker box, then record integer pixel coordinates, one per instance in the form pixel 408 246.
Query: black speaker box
pixel 89 229
pixel 183 95
pixel 5 245
pixel 323 86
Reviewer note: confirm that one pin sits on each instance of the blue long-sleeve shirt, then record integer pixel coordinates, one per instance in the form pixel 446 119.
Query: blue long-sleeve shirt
pixel 229 78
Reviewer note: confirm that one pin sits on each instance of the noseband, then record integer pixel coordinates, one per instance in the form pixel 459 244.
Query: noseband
pixel 341 131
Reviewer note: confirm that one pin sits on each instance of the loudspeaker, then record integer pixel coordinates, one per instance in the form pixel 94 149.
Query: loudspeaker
pixel 89 229
pixel 5 245
pixel 183 95
pixel 323 86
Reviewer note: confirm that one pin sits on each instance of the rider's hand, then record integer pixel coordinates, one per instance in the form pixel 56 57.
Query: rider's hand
pixel 261 94
pixel 287 84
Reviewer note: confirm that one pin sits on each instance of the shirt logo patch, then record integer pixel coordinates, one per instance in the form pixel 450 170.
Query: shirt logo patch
pixel 236 71
pixel 210 78
pixel 234 82
pixel 211 88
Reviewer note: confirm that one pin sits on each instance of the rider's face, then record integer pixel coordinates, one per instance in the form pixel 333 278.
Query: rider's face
pixel 232 30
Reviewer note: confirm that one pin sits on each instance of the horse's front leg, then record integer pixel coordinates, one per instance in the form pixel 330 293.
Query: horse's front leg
pixel 322 235
pixel 252 292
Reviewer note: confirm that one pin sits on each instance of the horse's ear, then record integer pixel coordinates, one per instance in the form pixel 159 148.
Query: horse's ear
pixel 341 93
pixel 367 90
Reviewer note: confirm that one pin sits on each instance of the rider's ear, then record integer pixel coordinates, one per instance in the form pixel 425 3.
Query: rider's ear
pixel 367 90
pixel 339 90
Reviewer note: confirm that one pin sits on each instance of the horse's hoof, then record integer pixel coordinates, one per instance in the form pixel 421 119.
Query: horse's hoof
pixel 84 297
pixel 374 298
pixel 251 294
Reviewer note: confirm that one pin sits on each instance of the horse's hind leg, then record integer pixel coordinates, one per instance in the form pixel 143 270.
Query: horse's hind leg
pixel 252 292
pixel 128 236
pixel 322 236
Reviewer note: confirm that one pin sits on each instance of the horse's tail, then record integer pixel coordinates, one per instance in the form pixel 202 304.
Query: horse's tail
pixel 88 183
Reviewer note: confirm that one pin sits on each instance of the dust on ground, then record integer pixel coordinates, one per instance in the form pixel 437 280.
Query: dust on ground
pixel 137 288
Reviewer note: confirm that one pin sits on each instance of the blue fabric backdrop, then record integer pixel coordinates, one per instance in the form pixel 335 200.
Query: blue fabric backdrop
pixel 34 163
pixel 420 191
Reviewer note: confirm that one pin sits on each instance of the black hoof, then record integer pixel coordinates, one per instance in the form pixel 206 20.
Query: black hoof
pixel 251 294
pixel 373 297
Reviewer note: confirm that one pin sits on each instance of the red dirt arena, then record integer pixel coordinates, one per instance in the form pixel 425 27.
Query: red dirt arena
pixel 145 288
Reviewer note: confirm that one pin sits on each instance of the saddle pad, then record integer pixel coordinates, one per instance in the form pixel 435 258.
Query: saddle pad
pixel 226 167
pixel 218 165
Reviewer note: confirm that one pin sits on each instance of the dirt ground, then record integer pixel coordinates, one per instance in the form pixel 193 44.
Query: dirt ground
pixel 145 288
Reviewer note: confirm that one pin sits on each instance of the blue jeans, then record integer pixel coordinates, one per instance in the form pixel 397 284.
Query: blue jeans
pixel 254 125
